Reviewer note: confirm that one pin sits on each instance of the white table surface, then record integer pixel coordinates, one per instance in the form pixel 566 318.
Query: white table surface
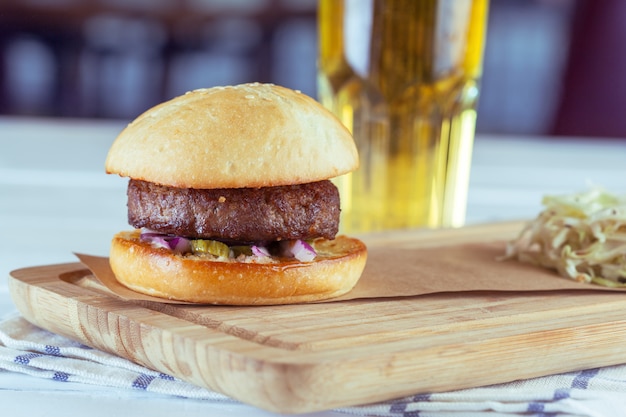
pixel 55 199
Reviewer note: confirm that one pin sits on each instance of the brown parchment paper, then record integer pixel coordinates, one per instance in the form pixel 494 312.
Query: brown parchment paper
pixel 403 272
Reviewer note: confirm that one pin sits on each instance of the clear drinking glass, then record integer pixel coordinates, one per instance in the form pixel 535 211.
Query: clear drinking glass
pixel 403 76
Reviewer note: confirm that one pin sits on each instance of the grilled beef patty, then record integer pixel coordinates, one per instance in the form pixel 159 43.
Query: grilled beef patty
pixel 237 215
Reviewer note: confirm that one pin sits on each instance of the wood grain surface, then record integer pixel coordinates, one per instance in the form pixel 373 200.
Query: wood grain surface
pixel 305 358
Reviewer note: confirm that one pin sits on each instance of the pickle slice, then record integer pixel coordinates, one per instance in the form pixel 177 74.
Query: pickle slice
pixel 212 247
pixel 241 250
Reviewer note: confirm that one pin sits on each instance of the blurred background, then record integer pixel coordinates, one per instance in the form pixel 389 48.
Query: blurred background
pixel 551 67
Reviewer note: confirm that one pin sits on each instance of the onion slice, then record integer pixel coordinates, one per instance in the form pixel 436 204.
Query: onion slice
pixel 180 244
pixel 260 251
pixel 176 244
pixel 298 249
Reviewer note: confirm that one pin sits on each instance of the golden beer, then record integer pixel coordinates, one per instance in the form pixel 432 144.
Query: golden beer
pixel 403 76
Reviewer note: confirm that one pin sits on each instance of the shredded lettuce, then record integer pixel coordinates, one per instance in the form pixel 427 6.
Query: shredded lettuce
pixel 582 236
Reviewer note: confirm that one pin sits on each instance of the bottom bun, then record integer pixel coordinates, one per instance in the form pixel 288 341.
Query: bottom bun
pixel 162 273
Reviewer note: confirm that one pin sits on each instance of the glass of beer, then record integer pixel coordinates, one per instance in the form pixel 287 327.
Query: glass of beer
pixel 403 76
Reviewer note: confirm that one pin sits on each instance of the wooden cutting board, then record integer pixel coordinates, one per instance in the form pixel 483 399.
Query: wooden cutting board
pixel 305 358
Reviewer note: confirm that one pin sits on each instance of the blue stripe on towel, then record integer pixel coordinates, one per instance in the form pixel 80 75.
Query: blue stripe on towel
pixel 399 407
pixel 142 381
pixel 25 359
pixel 53 350
pixel 581 381
pixel 61 376
pixel 561 394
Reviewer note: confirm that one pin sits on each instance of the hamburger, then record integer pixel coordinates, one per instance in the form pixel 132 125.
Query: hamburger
pixel 230 199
